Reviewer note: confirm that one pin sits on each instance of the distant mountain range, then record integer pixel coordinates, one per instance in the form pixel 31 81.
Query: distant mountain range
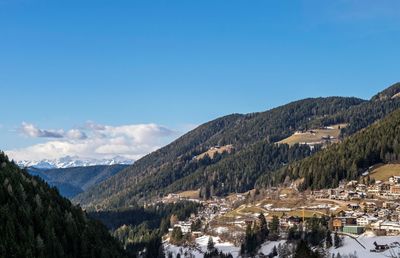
pixel 73 161
pixel 74 180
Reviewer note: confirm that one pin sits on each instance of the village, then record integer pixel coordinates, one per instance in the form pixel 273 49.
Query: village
pixel 355 210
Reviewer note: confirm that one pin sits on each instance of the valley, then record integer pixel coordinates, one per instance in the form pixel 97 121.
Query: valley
pixel 199 129
pixel 75 180
pixel 316 174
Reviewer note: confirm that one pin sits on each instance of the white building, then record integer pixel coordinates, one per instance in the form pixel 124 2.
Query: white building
pixel 365 220
pixel 394 180
pixel 392 228
pixel 186 227
pixel 383 213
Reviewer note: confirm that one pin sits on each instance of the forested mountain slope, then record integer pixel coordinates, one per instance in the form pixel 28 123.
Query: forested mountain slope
pixel 174 161
pixel 35 221
pixel 238 173
pixel 366 113
pixel 72 181
pixel 379 143
pixel 173 168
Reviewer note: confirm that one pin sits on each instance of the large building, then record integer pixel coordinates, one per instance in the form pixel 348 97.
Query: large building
pixel 356 230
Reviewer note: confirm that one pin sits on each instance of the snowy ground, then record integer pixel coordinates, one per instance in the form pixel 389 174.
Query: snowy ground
pixel 267 247
pixel 350 246
pixel 202 242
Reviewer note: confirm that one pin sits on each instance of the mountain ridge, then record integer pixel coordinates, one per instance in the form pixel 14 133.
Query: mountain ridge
pixel 158 173
pixel 242 131
pixel 73 161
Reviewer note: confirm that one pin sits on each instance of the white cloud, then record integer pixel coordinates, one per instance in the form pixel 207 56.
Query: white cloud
pixel 33 131
pixel 95 141
pixel 76 134
pixel 94 126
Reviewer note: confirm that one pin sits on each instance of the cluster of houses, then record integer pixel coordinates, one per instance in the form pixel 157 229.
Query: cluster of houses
pixel 212 208
pixel 353 207
pixel 384 220
pixel 373 207
pixel 354 190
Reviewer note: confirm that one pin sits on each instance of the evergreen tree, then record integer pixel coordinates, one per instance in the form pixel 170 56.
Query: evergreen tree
pixel 328 239
pixel 303 251
pixel 35 221
pixel 264 231
pixel 274 251
pixel 210 244
pixel 176 235
pixel 274 225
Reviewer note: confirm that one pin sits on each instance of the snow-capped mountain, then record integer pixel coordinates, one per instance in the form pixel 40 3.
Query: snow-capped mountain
pixel 68 162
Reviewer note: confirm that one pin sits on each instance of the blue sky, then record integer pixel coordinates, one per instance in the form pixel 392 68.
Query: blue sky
pixel 169 65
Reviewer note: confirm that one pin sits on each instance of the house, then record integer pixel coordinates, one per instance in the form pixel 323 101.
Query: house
pixel 385 187
pixel 321 194
pixel 352 183
pixel 337 224
pixel 361 187
pixel 391 228
pixel 394 216
pixel 287 222
pixel 354 206
pixel 382 213
pixel 334 193
pixel 395 189
pixel 375 189
pixel 389 205
pixel 186 227
pixel 350 221
pixel 369 206
pixel 365 220
pixel 394 180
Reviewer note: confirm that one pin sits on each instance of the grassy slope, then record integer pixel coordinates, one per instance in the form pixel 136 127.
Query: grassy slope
pixel 308 137
pixel 384 172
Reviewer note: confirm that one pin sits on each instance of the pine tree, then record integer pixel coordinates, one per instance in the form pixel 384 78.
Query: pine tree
pixel 328 239
pixel 263 227
pixel 274 251
pixel 303 251
pixel 274 225
pixel 210 244
pixel 176 235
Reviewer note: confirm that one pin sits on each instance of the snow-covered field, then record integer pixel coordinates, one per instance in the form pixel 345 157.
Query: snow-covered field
pixel 267 247
pixel 202 242
pixel 350 246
